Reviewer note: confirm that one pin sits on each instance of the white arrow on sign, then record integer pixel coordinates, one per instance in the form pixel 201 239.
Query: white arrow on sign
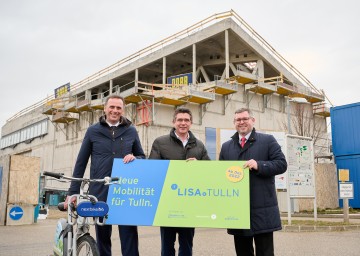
pixel 14 213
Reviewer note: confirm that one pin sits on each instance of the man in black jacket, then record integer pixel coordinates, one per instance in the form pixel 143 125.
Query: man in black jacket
pixel 112 137
pixel 180 144
pixel 264 159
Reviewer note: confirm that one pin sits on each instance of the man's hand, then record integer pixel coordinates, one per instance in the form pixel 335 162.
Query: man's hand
pixel 129 158
pixel 191 159
pixel 252 164
pixel 66 203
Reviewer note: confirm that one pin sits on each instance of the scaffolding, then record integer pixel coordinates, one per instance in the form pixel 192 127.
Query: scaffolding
pixel 68 108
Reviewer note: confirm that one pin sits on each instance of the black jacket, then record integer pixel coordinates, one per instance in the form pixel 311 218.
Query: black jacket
pixel 169 147
pixel 102 145
pixel 263 148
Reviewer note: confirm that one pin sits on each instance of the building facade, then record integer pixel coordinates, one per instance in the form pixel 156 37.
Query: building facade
pixel 213 67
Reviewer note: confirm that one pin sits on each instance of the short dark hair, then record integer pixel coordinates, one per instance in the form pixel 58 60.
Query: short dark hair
pixel 241 110
pixel 114 96
pixel 182 110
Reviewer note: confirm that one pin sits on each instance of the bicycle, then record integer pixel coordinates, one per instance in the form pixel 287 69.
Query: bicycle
pixel 70 241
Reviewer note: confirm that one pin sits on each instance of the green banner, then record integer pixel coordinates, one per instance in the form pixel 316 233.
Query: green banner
pixel 177 193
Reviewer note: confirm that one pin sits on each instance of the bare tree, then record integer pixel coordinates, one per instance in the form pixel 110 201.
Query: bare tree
pixel 304 123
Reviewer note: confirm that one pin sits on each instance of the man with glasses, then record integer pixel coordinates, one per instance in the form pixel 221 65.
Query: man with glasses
pixel 180 144
pixel 264 159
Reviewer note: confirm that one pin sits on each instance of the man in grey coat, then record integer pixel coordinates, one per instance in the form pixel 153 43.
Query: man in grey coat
pixel 180 144
pixel 264 159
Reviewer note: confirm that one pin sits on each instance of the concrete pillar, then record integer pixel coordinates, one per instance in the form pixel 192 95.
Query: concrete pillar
pixel 227 59
pixel 260 69
pixel 194 64
pixel 111 86
pixel 136 78
pixel 164 71
pixel 88 95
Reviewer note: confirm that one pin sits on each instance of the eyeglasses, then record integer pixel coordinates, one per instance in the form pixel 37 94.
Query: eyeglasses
pixel 244 119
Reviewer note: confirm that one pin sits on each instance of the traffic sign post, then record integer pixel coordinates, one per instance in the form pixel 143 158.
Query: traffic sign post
pixel 346 191
pixel 344 175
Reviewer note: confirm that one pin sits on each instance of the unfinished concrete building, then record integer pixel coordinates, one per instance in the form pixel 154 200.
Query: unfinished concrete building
pixel 214 67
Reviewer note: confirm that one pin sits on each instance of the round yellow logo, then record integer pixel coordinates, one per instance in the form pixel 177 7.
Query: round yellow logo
pixel 234 173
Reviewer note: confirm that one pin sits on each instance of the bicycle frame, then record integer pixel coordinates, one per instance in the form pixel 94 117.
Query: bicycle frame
pixel 88 211
pixel 82 223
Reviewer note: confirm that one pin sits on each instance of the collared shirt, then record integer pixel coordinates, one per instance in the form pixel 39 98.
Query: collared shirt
pixel 111 125
pixel 185 141
pixel 246 137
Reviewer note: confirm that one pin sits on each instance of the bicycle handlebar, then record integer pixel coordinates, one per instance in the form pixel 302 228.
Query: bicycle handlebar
pixel 54 175
pixel 61 207
pixel 59 176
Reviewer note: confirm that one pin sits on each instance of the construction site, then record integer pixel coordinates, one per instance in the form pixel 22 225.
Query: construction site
pixel 213 67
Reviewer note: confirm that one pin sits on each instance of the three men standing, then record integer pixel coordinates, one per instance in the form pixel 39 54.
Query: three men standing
pixel 114 137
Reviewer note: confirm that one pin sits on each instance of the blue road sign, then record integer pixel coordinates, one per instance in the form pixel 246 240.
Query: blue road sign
pixel 16 213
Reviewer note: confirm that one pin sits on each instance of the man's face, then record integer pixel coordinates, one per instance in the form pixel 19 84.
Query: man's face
pixel 114 110
pixel 182 123
pixel 244 123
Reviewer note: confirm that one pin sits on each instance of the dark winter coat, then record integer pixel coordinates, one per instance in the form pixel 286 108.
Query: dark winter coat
pixel 171 148
pixel 103 144
pixel 264 149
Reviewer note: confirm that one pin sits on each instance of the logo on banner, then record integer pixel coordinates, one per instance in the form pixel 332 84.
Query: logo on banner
pixel 235 173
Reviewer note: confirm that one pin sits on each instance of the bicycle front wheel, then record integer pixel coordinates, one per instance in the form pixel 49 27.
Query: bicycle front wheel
pixel 86 246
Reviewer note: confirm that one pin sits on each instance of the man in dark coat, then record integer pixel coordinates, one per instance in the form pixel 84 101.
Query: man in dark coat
pixel 112 137
pixel 180 144
pixel 264 159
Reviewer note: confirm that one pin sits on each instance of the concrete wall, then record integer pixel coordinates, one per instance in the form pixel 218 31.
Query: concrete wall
pixel 59 148
pixel 5 164
pixel 327 194
pixel 25 120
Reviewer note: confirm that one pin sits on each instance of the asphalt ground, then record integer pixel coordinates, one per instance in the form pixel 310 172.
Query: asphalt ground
pixel 37 239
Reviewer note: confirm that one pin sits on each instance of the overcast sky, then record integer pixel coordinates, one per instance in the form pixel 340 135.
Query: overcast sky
pixel 45 44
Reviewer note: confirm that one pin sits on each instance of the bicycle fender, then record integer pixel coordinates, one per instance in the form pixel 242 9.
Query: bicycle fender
pixel 61 237
pixel 89 209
